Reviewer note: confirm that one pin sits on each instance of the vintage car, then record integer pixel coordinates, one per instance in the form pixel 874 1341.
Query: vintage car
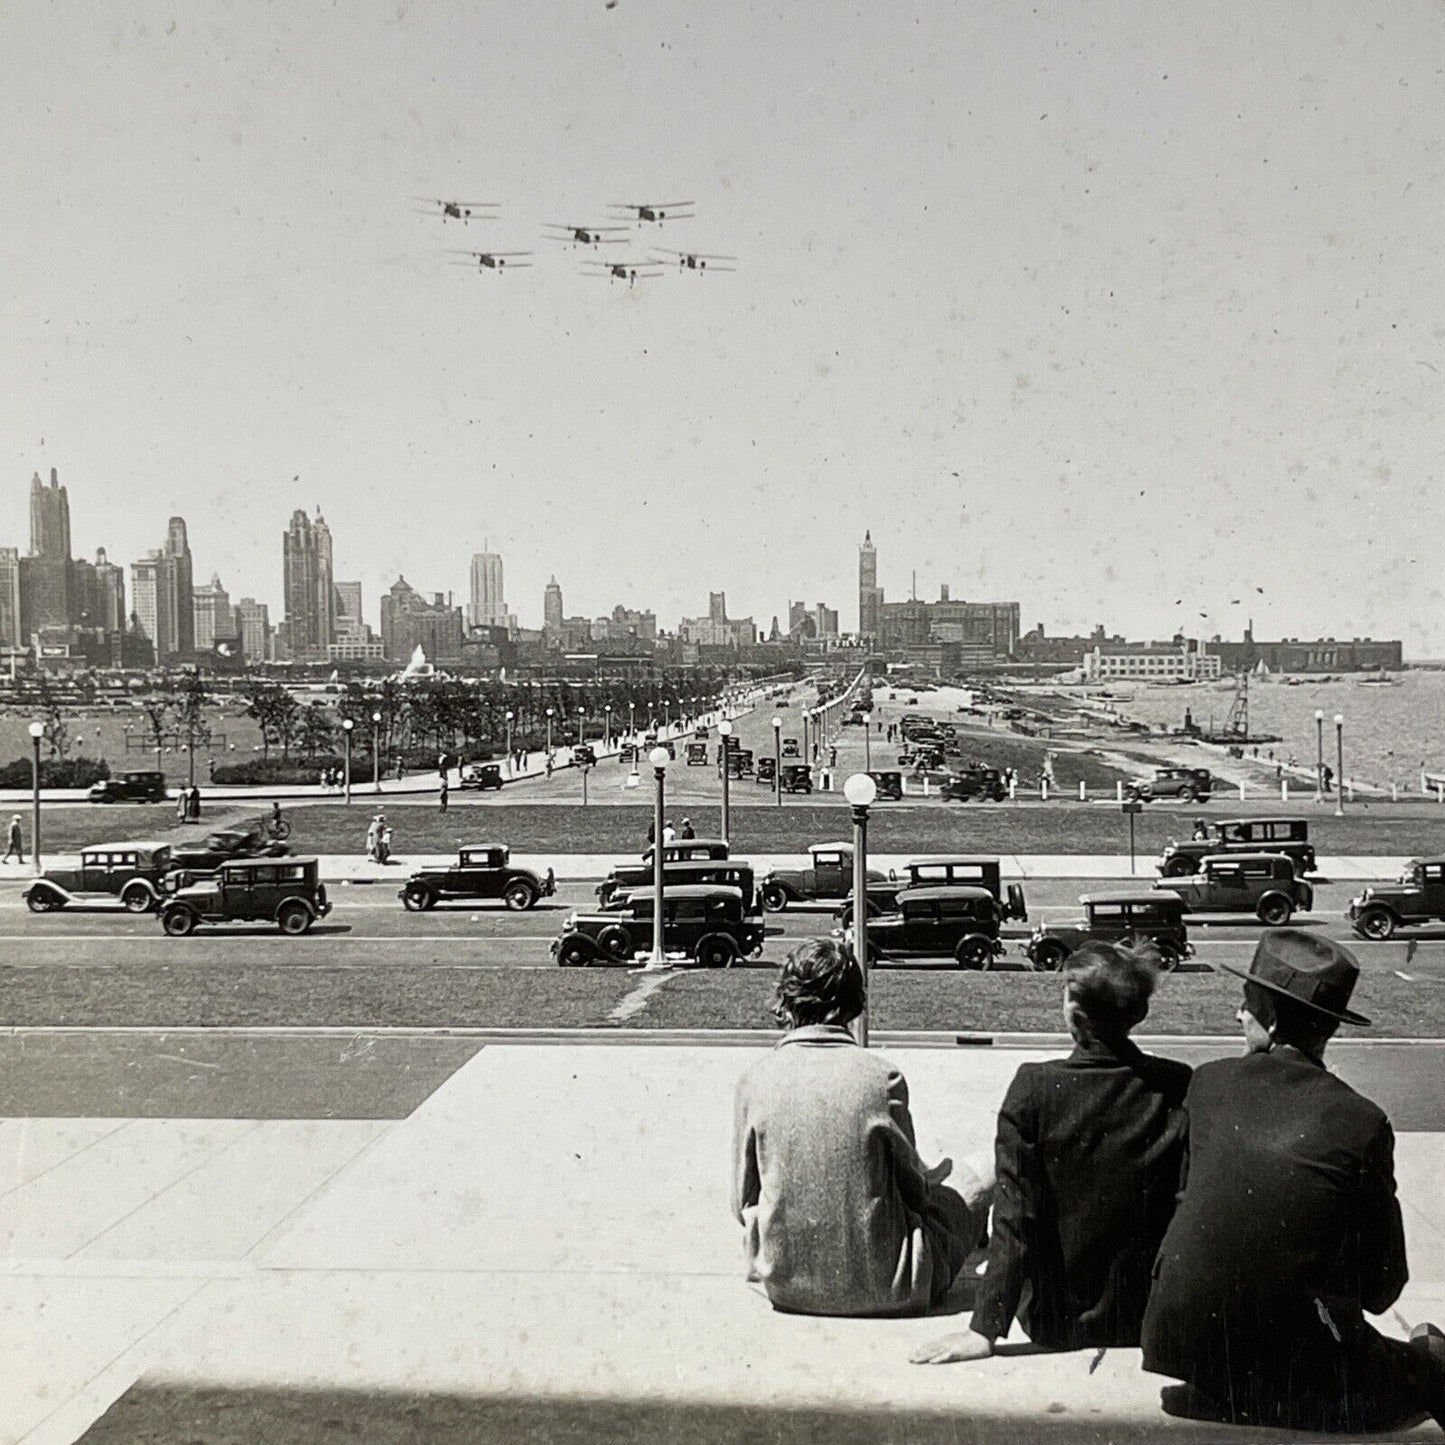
pixel 829 874
pixel 987 783
pixel 1264 884
pixel 134 873
pixel 1417 898
pixel 584 756
pixel 767 770
pixel 700 731
pixel 482 776
pixel 622 882
pixel 953 921
pixel 740 763
pixel 792 748
pixel 283 891
pixel 221 847
pixel 684 850
pixel 697 755
pixel 705 923
pixel 1135 916
pixel 629 753
pixel 129 788
pixel 889 785
pixel 968 871
pixel 1290 836
pixel 483 870
pixel 1189 785
pixel 797 778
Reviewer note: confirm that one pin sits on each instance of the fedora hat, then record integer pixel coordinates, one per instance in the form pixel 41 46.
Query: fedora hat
pixel 1313 971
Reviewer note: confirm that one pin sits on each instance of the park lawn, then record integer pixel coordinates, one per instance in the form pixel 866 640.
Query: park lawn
pixel 66 828
pixel 999 749
pixel 932 827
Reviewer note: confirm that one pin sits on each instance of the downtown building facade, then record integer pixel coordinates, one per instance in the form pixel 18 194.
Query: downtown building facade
pixel 409 620
pixel 162 597
pixel 308 584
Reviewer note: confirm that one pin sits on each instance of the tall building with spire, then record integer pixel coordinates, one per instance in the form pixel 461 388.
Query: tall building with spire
pixel 552 606
pixel 162 595
pixel 49 518
pixel 486 607
pixel 870 595
pixel 45 573
pixel 310 625
pixel 179 593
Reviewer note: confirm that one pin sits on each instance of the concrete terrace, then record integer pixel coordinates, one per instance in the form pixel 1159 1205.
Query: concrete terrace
pixel 540 1250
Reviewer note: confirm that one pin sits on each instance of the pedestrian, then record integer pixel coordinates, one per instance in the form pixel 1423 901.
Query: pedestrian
pixel 651 834
pixel 442 795
pixel 1201 829
pixel 384 848
pixel 669 833
pixel 183 800
pixel 194 802
pixel 1288 1229
pixel 1327 777
pixel 687 831
pixel 211 770
pixel 549 765
pixel 373 839
pixel 840 1215
pixel 15 841
pixel 399 768
pixel 1089 1158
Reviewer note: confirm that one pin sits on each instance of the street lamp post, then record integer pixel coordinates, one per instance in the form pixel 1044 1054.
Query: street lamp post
pixel 37 731
pixel 658 758
pixel 632 720
pixel 860 791
pixel 778 759
pixel 1339 765
pixel 1319 756
pixel 868 742
pixel 724 732
pixel 376 752
pixel 581 723
pixel 549 731
pixel 607 728
pixel 511 754
pixel 346 727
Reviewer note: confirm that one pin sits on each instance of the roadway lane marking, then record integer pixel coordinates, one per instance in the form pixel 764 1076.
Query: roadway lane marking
pixel 633 1003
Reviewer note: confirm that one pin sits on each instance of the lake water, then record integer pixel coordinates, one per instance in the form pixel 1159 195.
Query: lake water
pixel 1389 731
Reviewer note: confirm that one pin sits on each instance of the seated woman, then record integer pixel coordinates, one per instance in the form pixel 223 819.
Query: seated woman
pixel 1090 1152
pixel 840 1215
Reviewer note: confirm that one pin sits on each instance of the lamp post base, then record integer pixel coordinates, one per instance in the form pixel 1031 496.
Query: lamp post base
pixel 656 965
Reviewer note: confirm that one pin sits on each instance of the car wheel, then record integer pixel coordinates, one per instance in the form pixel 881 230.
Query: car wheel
pixel 294 918
pixel 773 898
pixel 42 900
pixel 716 950
pixel 1178 867
pixel 1187 795
pixel 1375 924
pixel 573 954
pixel 418 899
pixel 137 899
pixel 615 942
pixel 178 922
pixel 519 896
pixel 1274 911
pixel 1170 957
pixel 1049 955
pixel 975 951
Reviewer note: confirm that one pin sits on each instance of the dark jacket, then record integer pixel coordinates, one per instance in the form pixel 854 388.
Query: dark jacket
pixel 1089 1153
pixel 1287 1230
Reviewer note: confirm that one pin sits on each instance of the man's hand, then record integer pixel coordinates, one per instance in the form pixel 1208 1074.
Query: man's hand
pixel 939 1172
pixel 954 1349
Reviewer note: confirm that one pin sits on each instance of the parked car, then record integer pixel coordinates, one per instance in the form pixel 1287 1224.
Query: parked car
pixel 618 887
pixel 792 748
pixel 132 873
pixel 483 870
pixel 482 776
pixel 700 731
pixel 1264 884
pixel 889 785
pixel 628 753
pixel 1138 915
pixel 129 788
pixel 954 922
pixel 963 870
pixel 585 756
pixel 829 874
pixel 697 755
pixel 1290 836
pixel 283 891
pixel 706 923
pixel 767 770
pixel 221 847
pixel 797 778
pixel 973 783
pixel 684 850
pixel 744 757
pixel 1189 785
pixel 1417 898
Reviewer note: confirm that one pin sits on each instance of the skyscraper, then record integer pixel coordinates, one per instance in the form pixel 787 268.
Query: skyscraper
pixel 10 635
pixel 45 573
pixel 487 608
pixel 49 518
pixel 349 622
pixel 152 620
pixel 255 621
pixel 870 595
pixel 552 606
pixel 178 592
pixel 310 587
pixel 215 618
pixel 109 594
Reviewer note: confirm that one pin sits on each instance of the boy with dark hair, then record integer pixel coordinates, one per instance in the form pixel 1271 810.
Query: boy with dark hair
pixel 1089 1157
pixel 840 1215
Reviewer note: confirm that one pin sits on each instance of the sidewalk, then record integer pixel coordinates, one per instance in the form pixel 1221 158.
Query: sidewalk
pixel 593 867
pixel 488 1269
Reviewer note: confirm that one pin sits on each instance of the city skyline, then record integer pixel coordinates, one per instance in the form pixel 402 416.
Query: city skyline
pixel 1066 304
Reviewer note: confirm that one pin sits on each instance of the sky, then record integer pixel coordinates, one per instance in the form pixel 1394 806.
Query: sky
pixel 1128 312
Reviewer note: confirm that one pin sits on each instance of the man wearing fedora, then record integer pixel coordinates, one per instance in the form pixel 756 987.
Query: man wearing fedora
pixel 1288 1229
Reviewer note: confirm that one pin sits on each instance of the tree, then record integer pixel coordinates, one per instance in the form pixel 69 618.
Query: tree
pixel 276 711
pixel 57 730
pixel 315 730
pixel 189 711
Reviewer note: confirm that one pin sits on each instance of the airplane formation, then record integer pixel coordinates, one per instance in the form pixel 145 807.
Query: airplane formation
pixel 624 217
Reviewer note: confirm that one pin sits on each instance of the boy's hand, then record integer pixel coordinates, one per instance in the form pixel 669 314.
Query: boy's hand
pixel 953 1349
pixel 940 1171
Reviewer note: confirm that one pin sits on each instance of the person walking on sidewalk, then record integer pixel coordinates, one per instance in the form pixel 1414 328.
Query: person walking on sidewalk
pixel 15 841
pixel 442 795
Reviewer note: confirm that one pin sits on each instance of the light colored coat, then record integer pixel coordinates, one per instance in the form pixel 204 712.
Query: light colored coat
pixel 838 1211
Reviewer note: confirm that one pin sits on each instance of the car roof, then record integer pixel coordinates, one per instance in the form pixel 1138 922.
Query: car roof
pixel 112 847
pixel 1138 895
pixel 1274 859
pixel 482 848
pixel 946 890
pixel 951 859
pixel 1234 822
pixel 690 890
pixel 830 847
pixel 287 862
